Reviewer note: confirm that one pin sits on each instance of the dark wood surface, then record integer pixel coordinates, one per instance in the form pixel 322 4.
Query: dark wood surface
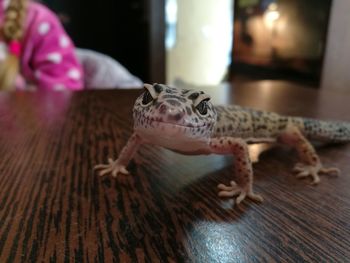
pixel 54 208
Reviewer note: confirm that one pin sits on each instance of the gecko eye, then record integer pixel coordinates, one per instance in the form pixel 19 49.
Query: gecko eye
pixel 202 107
pixel 147 97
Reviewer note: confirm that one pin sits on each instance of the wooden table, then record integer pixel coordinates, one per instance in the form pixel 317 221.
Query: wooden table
pixel 54 208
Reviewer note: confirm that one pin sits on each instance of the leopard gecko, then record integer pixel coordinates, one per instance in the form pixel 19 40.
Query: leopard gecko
pixel 186 121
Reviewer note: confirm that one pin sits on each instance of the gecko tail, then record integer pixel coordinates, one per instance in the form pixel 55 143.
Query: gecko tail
pixel 327 131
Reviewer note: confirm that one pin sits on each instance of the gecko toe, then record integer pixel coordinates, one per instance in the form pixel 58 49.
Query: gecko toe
pixel 302 174
pixel 123 170
pixel 316 181
pixel 256 197
pixel 229 190
pixel 298 167
pixel 225 187
pixel 229 193
pixel 332 171
pixel 233 184
pixel 115 173
pixel 100 166
pixel 104 172
pixel 241 197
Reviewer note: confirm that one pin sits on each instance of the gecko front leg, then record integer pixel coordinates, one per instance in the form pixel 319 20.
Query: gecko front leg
pixel 119 165
pixel 243 168
pixel 310 164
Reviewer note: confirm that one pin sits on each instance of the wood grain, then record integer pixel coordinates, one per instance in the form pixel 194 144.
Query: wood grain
pixel 54 208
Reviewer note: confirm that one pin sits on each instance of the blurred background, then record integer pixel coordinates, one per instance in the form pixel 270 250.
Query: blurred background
pixel 213 41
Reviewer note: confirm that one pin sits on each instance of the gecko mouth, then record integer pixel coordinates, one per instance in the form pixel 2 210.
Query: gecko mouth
pixel 159 122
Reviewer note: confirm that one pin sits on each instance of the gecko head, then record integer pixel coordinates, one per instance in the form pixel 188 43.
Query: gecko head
pixel 171 111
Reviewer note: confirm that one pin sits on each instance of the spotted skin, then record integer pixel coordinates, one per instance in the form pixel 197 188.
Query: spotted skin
pixel 185 121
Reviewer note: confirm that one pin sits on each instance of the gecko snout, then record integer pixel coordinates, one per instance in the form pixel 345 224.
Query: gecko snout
pixel 176 116
pixel 171 113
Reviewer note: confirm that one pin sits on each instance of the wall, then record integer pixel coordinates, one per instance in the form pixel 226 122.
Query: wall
pixel 201 53
pixel 336 70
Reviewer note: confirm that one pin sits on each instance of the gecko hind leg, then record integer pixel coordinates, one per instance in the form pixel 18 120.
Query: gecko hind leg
pixel 310 164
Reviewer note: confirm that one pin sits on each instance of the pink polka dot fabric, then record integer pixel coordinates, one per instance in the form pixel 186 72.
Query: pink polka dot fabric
pixel 48 57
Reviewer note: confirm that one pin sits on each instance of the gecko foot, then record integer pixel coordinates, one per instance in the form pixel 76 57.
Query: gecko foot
pixel 113 167
pixel 240 192
pixel 305 170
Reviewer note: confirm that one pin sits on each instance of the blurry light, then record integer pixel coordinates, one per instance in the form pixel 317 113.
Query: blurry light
pixel 272 6
pixel 208 31
pixel 220 241
pixel 272 16
pixel 171 11
pixel 171 23
pixel 282 24
pixel 212 77
pixel 255 150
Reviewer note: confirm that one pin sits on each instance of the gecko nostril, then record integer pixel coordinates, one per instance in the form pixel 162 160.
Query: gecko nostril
pixel 171 113
pixel 162 109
